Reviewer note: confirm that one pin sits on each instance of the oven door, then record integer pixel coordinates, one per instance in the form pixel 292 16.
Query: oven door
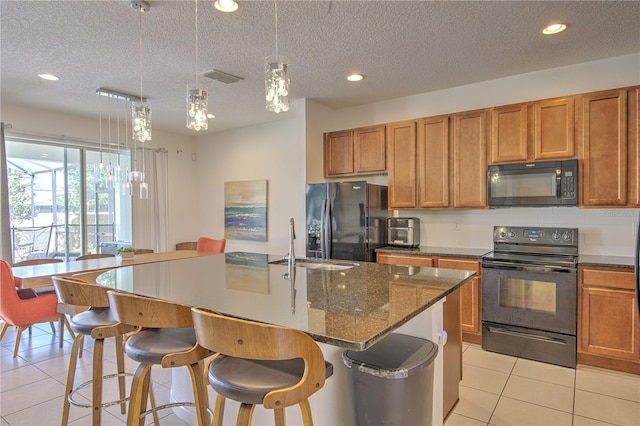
pixel 532 297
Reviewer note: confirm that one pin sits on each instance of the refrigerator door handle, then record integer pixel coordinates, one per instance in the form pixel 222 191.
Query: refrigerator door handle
pixel 322 228
pixel 326 229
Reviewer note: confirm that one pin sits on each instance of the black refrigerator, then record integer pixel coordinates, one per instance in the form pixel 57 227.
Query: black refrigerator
pixel 346 220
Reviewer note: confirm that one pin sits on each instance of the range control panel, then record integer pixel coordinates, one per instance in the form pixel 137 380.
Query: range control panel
pixel 535 235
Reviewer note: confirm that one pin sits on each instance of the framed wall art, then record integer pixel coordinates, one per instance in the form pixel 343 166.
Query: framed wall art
pixel 245 210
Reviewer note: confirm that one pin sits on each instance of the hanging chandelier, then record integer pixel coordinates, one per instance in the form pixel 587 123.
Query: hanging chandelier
pixel 140 112
pixel 276 77
pixel 197 96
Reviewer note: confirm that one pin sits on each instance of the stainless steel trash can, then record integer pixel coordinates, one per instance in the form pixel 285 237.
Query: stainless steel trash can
pixel 391 383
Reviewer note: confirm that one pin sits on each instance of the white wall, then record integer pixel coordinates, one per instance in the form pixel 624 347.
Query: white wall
pixel 602 231
pixel 273 151
pixel 182 224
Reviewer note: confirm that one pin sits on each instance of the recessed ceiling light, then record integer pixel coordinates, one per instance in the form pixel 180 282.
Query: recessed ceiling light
pixel 554 29
pixel 355 77
pixel 50 77
pixel 226 5
pixel 211 116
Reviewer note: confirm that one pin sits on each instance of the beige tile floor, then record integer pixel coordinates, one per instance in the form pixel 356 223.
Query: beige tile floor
pixel 496 390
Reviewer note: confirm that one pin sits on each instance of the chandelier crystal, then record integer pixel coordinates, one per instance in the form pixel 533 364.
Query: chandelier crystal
pixel 140 112
pixel 197 101
pixel 141 122
pixel 277 84
pixel 276 77
pixel 197 95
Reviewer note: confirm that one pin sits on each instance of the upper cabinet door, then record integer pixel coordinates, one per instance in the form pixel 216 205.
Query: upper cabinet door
pixel 554 129
pixel 603 123
pixel 338 153
pixel 401 140
pixel 470 159
pixel 370 149
pixel 509 134
pixel 433 162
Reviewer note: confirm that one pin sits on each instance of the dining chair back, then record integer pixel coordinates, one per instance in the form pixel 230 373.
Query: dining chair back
pixel 22 313
pixel 143 251
pixel 260 364
pixel 98 323
pixel 94 256
pixel 187 245
pixel 62 310
pixel 210 245
pixel 165 336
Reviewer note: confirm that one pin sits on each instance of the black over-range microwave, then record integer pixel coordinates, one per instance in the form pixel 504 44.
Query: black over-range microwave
pixel 538 184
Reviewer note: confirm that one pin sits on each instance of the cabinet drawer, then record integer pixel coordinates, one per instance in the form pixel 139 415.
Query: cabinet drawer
pixel 460 264
pixel 405 259
pixel 608 278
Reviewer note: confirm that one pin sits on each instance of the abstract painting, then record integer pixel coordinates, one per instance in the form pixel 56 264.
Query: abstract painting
pixel 245 210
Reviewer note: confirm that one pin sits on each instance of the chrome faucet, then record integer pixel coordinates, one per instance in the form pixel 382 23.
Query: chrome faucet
pixel 291 257
pixel 291 265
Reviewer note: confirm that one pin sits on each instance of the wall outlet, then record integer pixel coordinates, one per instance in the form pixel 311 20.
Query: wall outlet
pixel 456 226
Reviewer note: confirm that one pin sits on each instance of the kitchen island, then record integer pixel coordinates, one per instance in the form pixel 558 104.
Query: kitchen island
pixel 351 308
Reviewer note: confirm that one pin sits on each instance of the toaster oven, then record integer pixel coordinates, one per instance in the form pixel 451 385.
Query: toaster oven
pixel 403 231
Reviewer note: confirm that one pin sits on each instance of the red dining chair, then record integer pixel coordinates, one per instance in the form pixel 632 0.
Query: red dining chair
pixel 210 245
pixel 22 313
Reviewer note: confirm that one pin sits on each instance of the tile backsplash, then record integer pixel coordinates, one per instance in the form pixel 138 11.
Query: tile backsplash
pixel 607 232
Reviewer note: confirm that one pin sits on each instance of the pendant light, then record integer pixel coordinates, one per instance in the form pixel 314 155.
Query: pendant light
pixel 276 77
pixel 140 112
pixel 197 96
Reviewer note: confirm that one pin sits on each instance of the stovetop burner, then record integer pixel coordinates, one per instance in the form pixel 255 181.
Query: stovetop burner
pixel 552 247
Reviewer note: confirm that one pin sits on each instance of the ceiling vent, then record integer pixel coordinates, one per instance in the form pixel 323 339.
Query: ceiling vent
pixel 222 77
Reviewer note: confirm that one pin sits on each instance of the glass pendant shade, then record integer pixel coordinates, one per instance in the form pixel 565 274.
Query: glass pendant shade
pixel 197 102
pixel 277 84
pixel 141 122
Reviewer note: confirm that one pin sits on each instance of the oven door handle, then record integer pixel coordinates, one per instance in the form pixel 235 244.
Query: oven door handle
pixel 500 330
pixel 494 264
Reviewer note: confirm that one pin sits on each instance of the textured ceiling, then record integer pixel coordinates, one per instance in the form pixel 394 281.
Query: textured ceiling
pixel 402 48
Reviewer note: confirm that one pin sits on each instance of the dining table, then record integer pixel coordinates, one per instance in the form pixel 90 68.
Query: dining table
pixel 38 276
pixel 347 306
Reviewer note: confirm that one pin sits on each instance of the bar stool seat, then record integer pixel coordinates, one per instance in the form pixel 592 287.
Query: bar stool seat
pixel 154 344
pixel 250 381
pixel 99 323
pixel 260 364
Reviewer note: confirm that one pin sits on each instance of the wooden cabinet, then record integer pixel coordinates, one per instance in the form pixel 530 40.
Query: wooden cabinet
pixel 471 297
pixel 433 162
pixel 370 150
pixel 537 131
pixel 338 153
pixel 355 152
pixel 554 129
pixel 401 143
pixel 470 159
pixel 608 326
pixel 470 293
pixel 603 126
pixel 509 133
pixel 633 141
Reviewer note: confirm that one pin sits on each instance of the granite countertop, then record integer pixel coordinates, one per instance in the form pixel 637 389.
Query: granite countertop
pixel 622 262
pixel 436 251
pixel 350 308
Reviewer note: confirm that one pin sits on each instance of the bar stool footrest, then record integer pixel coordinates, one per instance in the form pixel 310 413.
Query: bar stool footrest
pixel 172 405
pixel 88 383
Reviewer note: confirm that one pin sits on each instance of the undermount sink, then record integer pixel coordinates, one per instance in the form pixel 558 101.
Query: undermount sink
pixel 318 264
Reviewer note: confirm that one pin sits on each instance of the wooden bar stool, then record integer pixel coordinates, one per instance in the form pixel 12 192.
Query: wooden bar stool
pixel 165 336
pixel 98 323
pixel 270 365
